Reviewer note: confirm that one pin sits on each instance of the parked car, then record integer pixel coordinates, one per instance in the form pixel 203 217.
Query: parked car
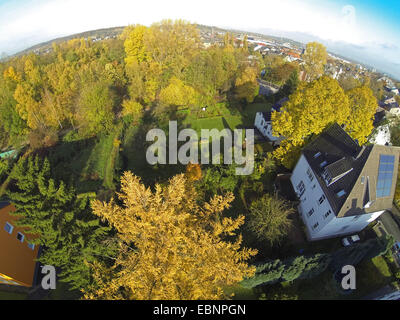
pixel 348 241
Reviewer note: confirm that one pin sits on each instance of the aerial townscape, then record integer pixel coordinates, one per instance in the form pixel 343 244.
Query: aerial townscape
pixel 105 193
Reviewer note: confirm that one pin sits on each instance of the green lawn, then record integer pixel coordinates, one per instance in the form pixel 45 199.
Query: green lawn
pixel 372 275
pixel 101 162
pixel 95 163
pixel 249 112
pixel 221 117
pixel 88 163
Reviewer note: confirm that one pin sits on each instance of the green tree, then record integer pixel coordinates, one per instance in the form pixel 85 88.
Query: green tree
pixel 290 85
pixel 95 109
pixel 59 220
pixel 281 73
pixel 10 119
pixel 269 218
pixel 305 267
pixel 301 267
pixel 266 273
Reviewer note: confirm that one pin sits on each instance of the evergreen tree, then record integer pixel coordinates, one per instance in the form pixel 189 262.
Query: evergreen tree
pixel 57 219
pixel 267 273
pixel 290 85
pixel 301 267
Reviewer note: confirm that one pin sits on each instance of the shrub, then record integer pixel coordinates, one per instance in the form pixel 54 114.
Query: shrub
pixel 268 218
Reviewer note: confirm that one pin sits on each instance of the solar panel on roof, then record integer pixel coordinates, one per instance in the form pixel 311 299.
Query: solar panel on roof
pixel 385 176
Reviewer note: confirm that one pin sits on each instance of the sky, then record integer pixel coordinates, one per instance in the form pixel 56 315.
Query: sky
pixel 364 30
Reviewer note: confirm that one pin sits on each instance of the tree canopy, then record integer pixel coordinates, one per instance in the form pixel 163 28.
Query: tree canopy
pixel 314 57
pixel 171 247
pixel 316 105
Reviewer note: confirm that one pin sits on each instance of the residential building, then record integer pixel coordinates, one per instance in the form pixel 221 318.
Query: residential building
pixel 264 124
pixel 342 187
pixel 379 115
pixel 17 254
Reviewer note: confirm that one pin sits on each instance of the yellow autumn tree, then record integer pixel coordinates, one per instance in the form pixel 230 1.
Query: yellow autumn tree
pixel 310 110
pixel 316 105
pixel 28 93
pixel 171 246
pixel 57 101
pixel 193 172
pixel 133 108
pixel 177 94
pixel 172 44
pixel 246 86
pixel 134 44
pixel 363 107
pixel 315 57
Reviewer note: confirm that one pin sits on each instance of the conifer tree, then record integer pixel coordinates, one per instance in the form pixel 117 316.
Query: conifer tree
pixel 58 220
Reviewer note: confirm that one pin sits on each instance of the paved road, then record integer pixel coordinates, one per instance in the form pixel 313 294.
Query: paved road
pixel 390 225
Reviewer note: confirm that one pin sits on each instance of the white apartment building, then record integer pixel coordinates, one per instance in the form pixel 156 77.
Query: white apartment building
pixel 343 187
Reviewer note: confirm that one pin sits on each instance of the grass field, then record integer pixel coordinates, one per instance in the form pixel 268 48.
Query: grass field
pixel 96 163
pixel 372 275
pixel 89 164
pixel 225 117
pixel 249 112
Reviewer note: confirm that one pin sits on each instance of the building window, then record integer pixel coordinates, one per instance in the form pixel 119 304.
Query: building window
pixel 9 228
pixel 31 246
pixel 326 177
pixel 301 188
pixel 327 214
pixel 321 199
pixel 362 179
pixel 20 237
pixel 317 154
pixel 310 212
pixel 323 164
pixel 310 175
pixel 315 226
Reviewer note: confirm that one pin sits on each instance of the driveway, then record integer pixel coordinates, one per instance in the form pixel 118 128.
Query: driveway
pixel 387 225
pixel 390 225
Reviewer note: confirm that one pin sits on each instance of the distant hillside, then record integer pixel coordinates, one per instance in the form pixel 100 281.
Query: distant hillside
pixel 99 33
pixel 115 31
